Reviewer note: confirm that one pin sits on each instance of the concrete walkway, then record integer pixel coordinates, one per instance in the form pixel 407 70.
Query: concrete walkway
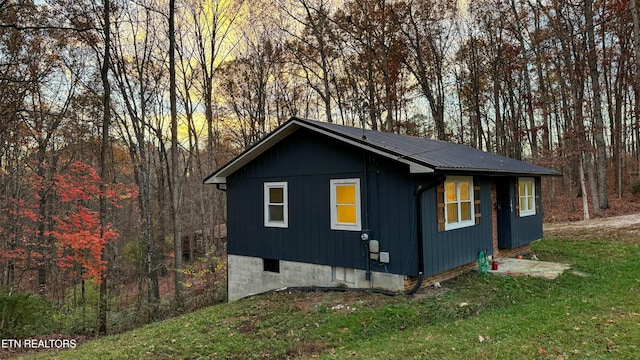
pixel 522 267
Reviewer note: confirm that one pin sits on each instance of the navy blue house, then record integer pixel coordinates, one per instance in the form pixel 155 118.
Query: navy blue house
pixel 320 204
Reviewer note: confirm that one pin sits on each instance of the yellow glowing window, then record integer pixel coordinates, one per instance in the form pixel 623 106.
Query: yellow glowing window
pixel 452 213
pixel 458 199
pixel 451 192
pixel 345 204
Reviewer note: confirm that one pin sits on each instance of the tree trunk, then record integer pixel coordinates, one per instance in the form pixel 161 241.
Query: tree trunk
pixel 583 187
pixel 570 179
pixel 636 48
pixel 598 128
pixel 533 137
pixel 104 149
pixel 322 51
pixel 542 84
pixel 496 67
pixel 153 288
pixel 592 182
pixel 175 171
pixel 617 133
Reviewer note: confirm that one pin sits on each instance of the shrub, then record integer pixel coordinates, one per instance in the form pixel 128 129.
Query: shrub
pixel 78 314
pixel 23 315
pixel 78 320
pixel 635 187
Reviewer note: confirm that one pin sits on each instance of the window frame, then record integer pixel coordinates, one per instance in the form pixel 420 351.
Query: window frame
pixel 285 204
pixel 460 223
pixel 529 211
pixel 335 225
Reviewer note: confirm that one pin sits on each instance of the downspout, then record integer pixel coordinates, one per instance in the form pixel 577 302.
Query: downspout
pixel 418 194
pixel 366 212
pixel 222 188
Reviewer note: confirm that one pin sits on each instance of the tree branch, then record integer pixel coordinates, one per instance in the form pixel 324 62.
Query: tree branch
pixel 45 27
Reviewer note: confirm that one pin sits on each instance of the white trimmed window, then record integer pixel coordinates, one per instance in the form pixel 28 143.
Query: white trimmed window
pixel 276 207
pixel 458 202
pixel 345 205
pixel 526 196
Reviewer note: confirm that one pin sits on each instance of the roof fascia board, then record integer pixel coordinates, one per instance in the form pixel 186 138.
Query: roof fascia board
pixel 220 176
pixel 495 173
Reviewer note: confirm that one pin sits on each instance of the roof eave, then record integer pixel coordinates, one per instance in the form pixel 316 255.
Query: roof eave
pixel 220 176
pixel 496 172
pixel 215 180
pixel 415 168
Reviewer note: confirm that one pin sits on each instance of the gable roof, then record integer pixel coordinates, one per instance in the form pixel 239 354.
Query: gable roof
pixel 422 155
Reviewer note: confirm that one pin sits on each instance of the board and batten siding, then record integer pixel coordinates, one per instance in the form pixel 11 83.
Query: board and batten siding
pixel 513 230
pixel 307 162
pixel 444 250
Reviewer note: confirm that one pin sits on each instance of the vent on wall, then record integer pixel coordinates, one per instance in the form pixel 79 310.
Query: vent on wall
pixel 343 275
pixel 271 265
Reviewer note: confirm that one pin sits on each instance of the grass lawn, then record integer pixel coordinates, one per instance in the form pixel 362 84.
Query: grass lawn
pixel 472 317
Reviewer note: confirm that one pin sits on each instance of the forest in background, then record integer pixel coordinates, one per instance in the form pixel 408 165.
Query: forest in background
pixel 113 112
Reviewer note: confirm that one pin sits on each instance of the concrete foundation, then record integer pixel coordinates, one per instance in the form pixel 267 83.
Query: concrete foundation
pixel 246 276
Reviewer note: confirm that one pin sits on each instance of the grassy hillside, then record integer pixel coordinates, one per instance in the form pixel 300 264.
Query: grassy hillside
pixel 471 317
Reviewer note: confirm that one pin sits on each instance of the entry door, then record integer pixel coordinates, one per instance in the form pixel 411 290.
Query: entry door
pixel 503 211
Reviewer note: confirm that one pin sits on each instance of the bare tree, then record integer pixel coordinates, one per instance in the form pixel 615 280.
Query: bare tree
pixel 246 81
pixel 208 34
pixel 370 41
pixel 598 127
pixel 138 76
pixel 636 49
pixel 104 154
pixel 520 33
pixel 214 30
pixel 427 28
pixel 311 47
pixel 175 184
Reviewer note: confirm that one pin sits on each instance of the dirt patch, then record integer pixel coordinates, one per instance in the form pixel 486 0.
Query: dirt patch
pixel 432 292
pixel 625 228
pixel 247 327
pixel 304 349
pixel 308 301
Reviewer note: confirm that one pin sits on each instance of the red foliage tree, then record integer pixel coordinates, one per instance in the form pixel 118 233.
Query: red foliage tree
pixel 77 231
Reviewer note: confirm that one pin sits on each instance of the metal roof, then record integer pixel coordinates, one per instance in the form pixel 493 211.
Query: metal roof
pixel 422 155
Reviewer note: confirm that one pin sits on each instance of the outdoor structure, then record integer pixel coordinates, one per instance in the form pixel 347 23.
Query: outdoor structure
pixel 320 204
